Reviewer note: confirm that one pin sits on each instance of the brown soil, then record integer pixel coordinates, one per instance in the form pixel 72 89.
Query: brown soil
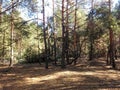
pixel 94 75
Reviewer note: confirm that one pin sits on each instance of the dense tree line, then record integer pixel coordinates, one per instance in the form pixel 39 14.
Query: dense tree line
pixel 69 34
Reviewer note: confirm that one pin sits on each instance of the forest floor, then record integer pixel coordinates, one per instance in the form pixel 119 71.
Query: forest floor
pixel 94 75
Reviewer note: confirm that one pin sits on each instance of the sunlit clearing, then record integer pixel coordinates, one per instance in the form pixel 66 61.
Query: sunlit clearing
pixel 70 76
pixel 52 76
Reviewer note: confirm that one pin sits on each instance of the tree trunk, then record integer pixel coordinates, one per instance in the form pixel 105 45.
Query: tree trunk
pixel 91 48
pixel 67 34
pixel 91 35
pixel 112 60
pixel 12 30
pixel 75 35
pixel 119 46
pixel 3 47
pixel 1 1
pixel 54 34
pixel 45 42
pixel 38 48
pixel 63 37
pixel 3 39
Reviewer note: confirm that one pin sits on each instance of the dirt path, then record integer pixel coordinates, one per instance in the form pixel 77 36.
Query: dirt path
pixel 95 76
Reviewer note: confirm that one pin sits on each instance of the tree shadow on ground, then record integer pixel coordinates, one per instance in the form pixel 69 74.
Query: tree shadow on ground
pixel 35 77
pixel 61 83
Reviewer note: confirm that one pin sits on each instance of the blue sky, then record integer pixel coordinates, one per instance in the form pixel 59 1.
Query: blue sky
pixel 48 10
pixel 115 1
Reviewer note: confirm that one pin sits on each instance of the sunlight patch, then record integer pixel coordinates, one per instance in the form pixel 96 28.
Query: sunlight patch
pixel 89 73
pixel 67 73
pixel 50 77
pixel 33 80
pixel 11 74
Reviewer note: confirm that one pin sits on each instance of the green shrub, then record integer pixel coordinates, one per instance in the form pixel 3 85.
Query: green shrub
pixel 31 55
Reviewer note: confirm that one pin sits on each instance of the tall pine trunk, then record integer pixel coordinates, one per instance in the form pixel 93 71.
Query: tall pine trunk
pixel 3 45
pixel 1 11
pixel 38 48
pixel 67 33
pixel 44 32
pixel 55 58
pixel 112 60
pixel 91 35
pixel 119 45
pixel 3 39
pixel 12 30
pixel 63 36
pixel 75 35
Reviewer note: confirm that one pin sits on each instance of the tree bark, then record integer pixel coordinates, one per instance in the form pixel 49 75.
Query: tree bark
pixel 3 39
pixel 112 60
pixel 63 37
pixel 44 32
pixel 67 33
pixel 12 30
pixel 91 35
pixel 75 35
pixel 54 34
